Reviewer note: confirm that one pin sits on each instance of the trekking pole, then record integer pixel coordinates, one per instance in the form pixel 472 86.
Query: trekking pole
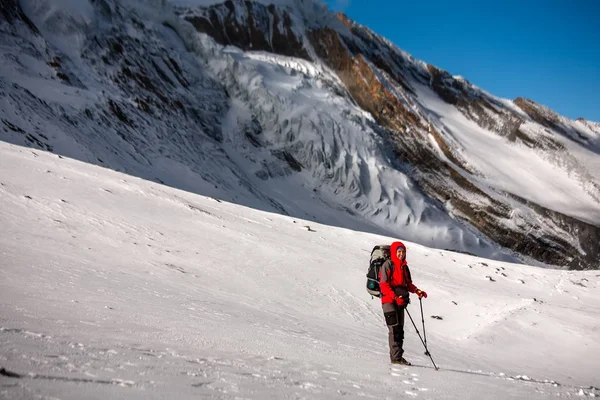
pixel 423 321
pixel 417 329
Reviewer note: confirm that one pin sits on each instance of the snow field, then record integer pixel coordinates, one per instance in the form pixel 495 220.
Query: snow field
pixel 115 286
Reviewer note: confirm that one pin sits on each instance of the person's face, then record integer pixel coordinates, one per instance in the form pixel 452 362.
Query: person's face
pixel 401 252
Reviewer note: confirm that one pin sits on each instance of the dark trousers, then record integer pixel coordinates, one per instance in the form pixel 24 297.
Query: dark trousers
pixel 394 319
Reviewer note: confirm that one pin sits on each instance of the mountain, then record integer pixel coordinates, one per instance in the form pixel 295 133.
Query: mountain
pixel 287 107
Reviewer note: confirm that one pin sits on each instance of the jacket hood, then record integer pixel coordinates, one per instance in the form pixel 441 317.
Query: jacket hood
pixel 393 248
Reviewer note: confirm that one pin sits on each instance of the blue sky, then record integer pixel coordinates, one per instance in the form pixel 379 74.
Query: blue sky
pixel 548 51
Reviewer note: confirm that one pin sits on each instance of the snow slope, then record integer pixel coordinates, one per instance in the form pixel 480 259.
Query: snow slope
pixel 114 286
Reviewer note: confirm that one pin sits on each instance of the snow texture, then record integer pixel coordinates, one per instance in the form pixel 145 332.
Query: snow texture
pixel 114 286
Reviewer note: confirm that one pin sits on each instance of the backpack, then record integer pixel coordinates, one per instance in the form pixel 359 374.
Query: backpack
pixel 379 255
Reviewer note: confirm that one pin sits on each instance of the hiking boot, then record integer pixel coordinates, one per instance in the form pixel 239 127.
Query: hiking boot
pixel 401 361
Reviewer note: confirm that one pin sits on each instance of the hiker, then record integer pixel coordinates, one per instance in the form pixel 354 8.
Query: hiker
pixel 396 283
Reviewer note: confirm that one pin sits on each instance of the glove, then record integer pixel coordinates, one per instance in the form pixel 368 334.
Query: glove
pixel 421 293
pixel 400 301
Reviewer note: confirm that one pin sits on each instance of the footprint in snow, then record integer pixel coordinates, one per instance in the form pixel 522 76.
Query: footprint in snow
pixel 396 371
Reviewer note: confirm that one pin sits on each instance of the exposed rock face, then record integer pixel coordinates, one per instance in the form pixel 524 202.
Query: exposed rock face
pixel 475 106
pixel 361 81
pixel 586 234
pixel 249 26
pixel 548 119
pixel 10 10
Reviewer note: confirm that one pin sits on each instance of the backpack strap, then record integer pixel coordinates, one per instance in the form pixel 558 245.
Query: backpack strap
pixel 391 268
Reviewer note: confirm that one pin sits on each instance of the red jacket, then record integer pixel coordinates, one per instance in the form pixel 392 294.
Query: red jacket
pixel 394 279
